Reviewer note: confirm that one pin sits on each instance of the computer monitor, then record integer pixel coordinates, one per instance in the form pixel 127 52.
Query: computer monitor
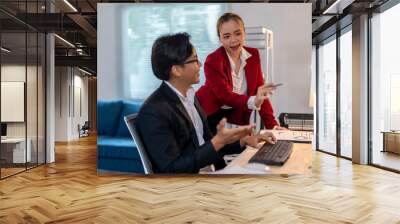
pixel 3 129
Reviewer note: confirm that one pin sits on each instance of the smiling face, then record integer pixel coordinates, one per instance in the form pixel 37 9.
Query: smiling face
pixel 232 36
pixel 189 71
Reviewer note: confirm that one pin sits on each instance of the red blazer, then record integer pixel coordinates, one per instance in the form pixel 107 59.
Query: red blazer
pixel 217 90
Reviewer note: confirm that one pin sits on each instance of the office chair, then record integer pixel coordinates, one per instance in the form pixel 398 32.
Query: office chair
pixel 84 129
pixel 130 121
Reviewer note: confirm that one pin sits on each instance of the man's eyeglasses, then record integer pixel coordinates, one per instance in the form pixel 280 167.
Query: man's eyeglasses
pixel 191 61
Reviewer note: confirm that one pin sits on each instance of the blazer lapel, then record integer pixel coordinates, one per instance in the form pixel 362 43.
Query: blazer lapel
pixel 248 77
pixel 183 111
pixel 176 103
pixel 227 66
pixel 206 130
pixel 250 74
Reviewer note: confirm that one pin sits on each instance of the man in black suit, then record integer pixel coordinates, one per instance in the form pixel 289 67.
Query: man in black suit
pixel 172 123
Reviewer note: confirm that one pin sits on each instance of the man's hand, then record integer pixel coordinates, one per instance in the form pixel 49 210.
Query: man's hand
pixel 226 136
pixel 262 93
pixel 255 139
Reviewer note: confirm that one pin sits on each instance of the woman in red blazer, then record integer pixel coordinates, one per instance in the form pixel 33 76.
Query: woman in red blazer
pixel 234 81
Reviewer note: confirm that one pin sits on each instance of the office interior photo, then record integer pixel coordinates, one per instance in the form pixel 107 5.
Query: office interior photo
pixel 70 81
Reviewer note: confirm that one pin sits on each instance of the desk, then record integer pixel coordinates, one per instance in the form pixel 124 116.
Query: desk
pixel 391 141
pixel 13 150
pixel 299 162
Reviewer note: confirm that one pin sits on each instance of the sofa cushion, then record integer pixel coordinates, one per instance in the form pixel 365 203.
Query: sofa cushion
pixel 119 165
pixel 118 148
pixel 128 107
pixel 108 114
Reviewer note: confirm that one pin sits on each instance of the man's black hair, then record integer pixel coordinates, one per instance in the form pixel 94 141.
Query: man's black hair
pixel 169 50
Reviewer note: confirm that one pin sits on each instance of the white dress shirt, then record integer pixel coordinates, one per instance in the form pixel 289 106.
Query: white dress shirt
pixel 188 103
pixel 239 80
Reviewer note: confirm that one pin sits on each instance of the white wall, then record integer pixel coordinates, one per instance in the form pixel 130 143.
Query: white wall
pixel 291 25
pixel 61 103
pixel 79 117
pixel 108 50
pixel 69 82
pixel 12 73
pixel 33 127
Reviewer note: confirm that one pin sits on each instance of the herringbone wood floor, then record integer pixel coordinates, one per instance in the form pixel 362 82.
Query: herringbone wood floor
pixel 70 191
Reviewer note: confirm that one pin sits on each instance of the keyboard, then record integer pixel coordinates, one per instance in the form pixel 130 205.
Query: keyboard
pixel 276 154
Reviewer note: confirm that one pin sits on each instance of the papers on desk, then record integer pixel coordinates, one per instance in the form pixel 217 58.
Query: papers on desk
pixel 295 136
pixel 248 169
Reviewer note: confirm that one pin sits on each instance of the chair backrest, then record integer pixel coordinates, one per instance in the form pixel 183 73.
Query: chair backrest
pixel 130 121
pixel 86 125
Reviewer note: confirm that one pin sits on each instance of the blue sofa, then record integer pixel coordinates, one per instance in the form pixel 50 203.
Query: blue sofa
pixel 116 150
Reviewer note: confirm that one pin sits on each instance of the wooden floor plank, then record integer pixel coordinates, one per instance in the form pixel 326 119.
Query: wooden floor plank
pixel 71 191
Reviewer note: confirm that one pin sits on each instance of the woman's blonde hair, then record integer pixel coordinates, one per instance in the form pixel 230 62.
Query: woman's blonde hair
pixel 228 16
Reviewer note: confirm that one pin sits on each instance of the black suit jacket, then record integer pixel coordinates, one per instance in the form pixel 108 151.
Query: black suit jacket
pixel 170 137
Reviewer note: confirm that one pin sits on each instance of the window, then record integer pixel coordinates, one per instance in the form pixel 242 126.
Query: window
pixel 142 24
pixel 327 96
pixel 385 85
pixel 22 76
pixel 346 93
